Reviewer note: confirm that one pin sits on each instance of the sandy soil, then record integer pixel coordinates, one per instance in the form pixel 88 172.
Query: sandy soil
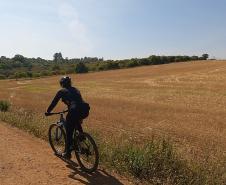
pixel 25 160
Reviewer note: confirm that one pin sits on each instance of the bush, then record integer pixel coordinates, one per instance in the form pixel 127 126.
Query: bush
pixel 20 75
pixel 112 65
pixel 81 68
pixel 133 63
pixel 4 105
pixel 22 67
pixel 55 68
pixel 156 161
pixel 69 71
pixel 29 74
pixel 36 75
pixel 2 77
pixel 45 73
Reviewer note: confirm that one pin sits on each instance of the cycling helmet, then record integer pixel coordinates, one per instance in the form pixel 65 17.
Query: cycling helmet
pixel 65 81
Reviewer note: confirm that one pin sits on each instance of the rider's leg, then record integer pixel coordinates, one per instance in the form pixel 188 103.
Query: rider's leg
pixel 69 126
pixel 79 126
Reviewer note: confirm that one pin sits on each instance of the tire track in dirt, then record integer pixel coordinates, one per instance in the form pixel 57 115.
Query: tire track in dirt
pixel 25 160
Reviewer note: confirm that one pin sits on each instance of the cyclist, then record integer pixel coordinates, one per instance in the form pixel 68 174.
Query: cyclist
pixel 72 98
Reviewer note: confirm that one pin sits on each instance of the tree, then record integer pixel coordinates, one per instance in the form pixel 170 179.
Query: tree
pixel 154 59
pixel 81 68
pixel 133 63
pixel 57 57
pixel 19 58
pixel 195 57
pixel 205 56
pixel 56 68
pixel 3 58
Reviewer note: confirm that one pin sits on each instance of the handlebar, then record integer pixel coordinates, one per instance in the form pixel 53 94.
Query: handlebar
pixel 54 113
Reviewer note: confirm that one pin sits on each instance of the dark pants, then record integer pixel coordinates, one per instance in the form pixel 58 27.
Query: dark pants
pixel 72 123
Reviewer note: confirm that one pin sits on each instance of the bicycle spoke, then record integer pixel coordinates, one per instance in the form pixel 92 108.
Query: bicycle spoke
pixel 57 139
pixel 87 155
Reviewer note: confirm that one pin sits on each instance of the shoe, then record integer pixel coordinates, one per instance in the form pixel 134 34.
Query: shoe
pixel 66 155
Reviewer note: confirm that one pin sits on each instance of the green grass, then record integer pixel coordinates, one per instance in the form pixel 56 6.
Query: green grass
pixel 4 105
pixel 153 161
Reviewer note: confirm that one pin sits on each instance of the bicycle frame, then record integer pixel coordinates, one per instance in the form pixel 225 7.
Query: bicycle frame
pixel 79 150
pixel 62 120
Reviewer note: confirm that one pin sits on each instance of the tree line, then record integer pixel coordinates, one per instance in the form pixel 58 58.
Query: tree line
pixel 23 67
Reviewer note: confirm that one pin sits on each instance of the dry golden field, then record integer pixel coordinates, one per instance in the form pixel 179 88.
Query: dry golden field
pixel 183 101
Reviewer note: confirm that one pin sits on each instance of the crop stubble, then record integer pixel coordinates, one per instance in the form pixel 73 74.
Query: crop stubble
pixel 183 101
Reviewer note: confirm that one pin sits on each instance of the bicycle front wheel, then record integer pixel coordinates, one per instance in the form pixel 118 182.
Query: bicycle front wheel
pixel 57 139
pixel 86 152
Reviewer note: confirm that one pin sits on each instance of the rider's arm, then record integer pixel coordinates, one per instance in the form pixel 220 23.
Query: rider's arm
pixel 55 101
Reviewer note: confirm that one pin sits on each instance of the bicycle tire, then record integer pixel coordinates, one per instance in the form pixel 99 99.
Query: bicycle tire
pixel 79 154
pixel 57 139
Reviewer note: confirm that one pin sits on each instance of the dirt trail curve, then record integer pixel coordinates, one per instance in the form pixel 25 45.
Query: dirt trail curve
pixel 25 160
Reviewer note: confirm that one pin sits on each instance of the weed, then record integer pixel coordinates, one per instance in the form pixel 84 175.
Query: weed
pixel 4 105
pixel 155 162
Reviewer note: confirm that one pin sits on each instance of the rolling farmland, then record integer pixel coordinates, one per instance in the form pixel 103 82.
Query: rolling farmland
pixel 185 102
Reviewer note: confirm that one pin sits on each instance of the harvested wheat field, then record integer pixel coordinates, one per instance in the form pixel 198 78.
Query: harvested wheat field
pixel 185 102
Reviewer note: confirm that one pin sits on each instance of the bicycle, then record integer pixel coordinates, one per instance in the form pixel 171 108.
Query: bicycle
pixel 85 149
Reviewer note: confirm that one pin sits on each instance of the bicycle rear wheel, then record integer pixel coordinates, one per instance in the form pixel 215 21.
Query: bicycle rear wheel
pixel 86 153
pixel 57 139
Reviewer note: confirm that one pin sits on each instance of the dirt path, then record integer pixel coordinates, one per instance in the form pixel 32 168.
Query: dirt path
pixel 27 160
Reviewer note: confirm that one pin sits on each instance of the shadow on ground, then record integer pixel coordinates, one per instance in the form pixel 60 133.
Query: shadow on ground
pixel 98 177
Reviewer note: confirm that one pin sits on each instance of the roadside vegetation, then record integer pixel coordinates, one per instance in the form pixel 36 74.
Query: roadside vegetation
pixel 23 67
pixel 159 124
pixel 4 105
pixel 153 161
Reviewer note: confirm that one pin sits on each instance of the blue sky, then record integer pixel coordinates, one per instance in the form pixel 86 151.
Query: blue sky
pixel 113 29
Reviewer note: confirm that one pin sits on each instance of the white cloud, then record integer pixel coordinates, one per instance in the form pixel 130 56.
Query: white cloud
pixel 77 30
pixel 51 26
